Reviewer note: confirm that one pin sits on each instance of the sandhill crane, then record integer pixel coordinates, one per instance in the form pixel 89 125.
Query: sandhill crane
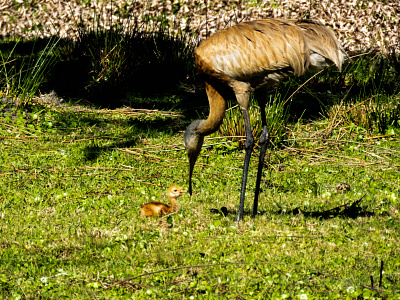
pixel 158 209
pixel 251 57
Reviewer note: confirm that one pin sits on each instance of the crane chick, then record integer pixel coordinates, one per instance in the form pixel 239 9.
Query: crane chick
pixel 158 209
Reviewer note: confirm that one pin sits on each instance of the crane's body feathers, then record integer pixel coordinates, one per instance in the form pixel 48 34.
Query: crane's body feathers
pixel 253 56
pixel 243 53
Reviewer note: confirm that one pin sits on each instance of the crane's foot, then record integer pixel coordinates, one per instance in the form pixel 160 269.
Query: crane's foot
pixel 239 218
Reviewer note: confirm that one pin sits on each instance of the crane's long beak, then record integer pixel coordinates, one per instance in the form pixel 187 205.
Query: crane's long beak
pixel 192 162
pixel 193 142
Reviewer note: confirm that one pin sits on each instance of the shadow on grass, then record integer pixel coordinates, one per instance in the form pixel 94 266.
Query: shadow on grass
pixel 138 129
pixel 349 210
pixel 105 66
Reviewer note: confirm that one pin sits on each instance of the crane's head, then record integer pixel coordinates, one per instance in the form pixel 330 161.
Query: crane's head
pixel 193 141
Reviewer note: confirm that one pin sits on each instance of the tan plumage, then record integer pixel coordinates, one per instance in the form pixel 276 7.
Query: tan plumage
pixel 253 50
pixel 325 49
pixel 158 209
pixel 250 57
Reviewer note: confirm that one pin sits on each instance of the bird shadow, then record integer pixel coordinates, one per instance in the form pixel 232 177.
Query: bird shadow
pixel 223 211
pixel 351 210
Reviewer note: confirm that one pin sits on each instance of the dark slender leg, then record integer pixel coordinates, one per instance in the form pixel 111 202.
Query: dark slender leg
pixel 249 143
pixel 263 145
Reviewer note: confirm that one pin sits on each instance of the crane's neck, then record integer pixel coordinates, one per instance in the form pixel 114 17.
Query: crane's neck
pixel 217 111
pixel 195 132
pixel 174 205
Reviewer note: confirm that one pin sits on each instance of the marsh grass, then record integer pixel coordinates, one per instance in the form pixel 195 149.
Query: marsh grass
pixel 22 74
pixel 276 114
pixel 379 113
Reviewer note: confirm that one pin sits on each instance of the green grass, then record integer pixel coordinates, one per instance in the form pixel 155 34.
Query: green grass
pixel 70 225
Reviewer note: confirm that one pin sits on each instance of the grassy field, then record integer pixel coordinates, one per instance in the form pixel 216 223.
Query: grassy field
pixel 74 173
pixel 72 183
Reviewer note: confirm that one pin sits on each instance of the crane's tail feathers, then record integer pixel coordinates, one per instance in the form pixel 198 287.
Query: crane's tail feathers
pixel 324 47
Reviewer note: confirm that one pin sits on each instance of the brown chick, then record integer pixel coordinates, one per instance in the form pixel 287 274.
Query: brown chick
pixel 158 209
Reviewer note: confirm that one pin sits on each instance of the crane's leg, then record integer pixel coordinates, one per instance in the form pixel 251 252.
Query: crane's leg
pixel 248 145
pixel 260 95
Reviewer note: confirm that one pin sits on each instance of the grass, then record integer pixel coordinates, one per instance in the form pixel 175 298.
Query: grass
pixel 276 114
pixel 22 74
pixel 73 177
pixel 70 198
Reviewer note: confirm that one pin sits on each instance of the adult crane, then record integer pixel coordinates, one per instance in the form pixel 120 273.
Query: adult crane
pixel 251 57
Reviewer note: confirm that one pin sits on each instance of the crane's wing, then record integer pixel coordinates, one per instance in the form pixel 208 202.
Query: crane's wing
pixel 255 48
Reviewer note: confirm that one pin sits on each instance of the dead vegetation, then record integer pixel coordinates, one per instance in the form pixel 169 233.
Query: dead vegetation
pixel 360 25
